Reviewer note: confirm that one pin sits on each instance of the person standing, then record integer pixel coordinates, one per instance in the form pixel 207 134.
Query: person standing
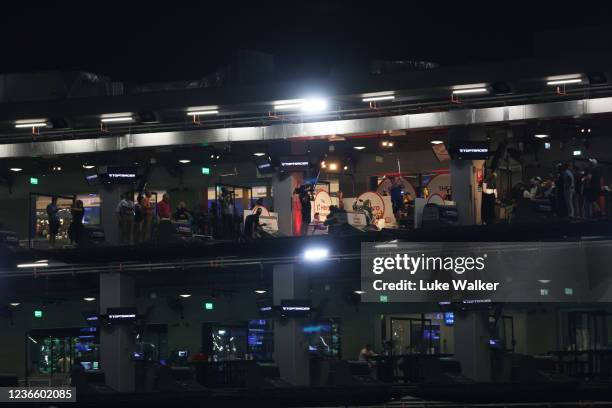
pixel 125 214
pixel 139 216
pixel 489 197
pixel 164 212
pixel 397 198
pixel 569 188
pixel 227 213
pixel 76 225
pixel 147 225
pixel 593 190
pixel 54 220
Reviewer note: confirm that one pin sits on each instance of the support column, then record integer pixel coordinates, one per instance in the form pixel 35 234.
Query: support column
pixel 109 198
pixel 290 348
pixel 287 204
pixel 472 344
pixel 117 342
pixel 466 191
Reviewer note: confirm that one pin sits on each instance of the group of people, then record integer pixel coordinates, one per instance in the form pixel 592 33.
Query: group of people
pixel 135 219
pixel 75 230
pixel 574 192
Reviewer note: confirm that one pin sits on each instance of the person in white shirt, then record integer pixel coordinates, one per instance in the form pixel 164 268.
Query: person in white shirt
pixel 125 217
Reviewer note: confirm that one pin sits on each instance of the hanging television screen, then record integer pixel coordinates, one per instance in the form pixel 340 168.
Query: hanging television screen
pixel 294 163
pixel 440 152
pixel 264 166
pixel 470 150
pixel 119 315
pixel 266 307
pixel 295 308
pixel 91 177
pixel 118 174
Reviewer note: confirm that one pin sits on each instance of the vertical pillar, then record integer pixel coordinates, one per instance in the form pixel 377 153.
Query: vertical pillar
pixel 472 344
pixel 286 204
pixel 109 198
pixel 117 342
pixel 466 192
pixel 290 348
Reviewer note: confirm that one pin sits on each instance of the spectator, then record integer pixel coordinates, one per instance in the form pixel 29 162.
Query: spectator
pixel 181 213
pixel 489 197
pixel 163 208
pixel 227 213
pixel 252 227
pixel 569 188
pixel 397 199
pixel 76 225
pixel 54 220
pixel 148 207
pixel 125 216
pixel 139 217
pixel 592 190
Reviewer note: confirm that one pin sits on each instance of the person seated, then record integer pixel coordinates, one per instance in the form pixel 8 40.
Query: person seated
pixel 182 213
pixel 317 224
pixel 367 355
pixel 252 228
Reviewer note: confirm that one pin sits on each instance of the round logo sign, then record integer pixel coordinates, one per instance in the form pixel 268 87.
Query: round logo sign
pixel 371 202
pixel 322 202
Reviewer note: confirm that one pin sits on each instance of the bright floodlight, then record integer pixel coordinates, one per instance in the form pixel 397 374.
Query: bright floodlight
pixel 16 169
pixel 89 299
pixel 315 254
pixel 540 136
pixel 436 142
pixel 305 105
pixel 359 147
pixel 185 295
pixel 259 154
pixel 314 105
pixel 184 161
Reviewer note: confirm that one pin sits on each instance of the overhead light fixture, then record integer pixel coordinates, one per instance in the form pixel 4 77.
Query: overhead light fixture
pixel 386 143
pixel 30 124
pixel 203 112
pixel 184 161
pixel 89 299
pixel 260 292
pixel 15 304
pixel 333 166
pixel 540 135
pixel 117 119
pixel 16 169
pixel 306 105
pixel 57 168
pixel 577 152
pixel 378 98
pixel 345 167
pixel 315 254
pixel 33 265
pixel 359 292
pixel 323 164
pixel 564 81
pixel 463 91
pixel 436 142
pixel 259 154
pixel 88 166
pixel 185 295
pixel 359 147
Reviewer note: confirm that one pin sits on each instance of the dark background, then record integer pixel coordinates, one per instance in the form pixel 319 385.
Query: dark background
pixel 172 40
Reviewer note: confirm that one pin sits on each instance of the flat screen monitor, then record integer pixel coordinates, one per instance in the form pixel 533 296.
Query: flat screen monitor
pixel 294 163
pixel 470 150
pixel 440 152
pixel 120 315
pixel 91 177
pixel 118 174
pixel 264 166
pixel 295 308
pixel 266 308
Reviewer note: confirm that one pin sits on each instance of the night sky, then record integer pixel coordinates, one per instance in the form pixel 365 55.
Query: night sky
pixel 146 41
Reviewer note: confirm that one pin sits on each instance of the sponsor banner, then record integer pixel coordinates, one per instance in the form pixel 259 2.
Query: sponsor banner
pixel 439 188
pixel 321 205
pixel 380 208
pixel 485 272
